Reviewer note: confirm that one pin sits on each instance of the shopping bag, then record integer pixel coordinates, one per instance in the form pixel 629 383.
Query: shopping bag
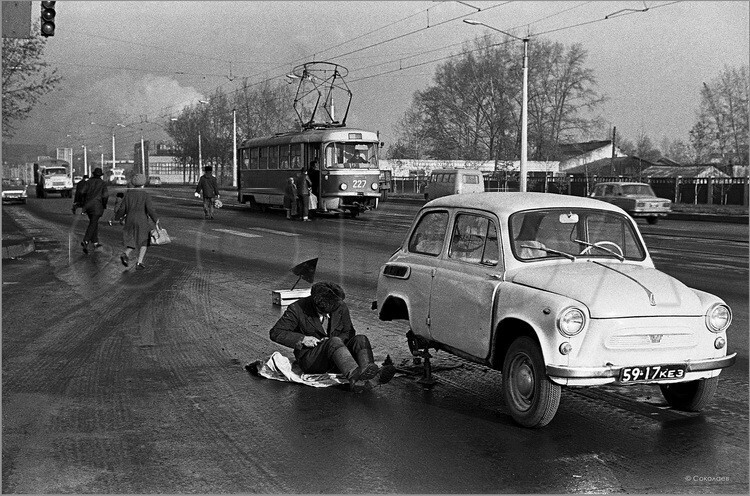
pixel 159 236
pixel 313 202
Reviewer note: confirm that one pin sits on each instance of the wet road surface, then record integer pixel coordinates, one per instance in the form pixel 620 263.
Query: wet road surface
pixel 117 381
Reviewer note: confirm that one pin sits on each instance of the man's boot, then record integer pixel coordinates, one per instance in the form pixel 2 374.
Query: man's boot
pixel 367 365
pixel 346 364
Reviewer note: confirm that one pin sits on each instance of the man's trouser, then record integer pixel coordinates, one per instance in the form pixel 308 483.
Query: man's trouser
pixel 92 231
pixel 325 358
pixel 208 206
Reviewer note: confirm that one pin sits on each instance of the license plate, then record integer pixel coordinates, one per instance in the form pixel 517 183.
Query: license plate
pixel 652 373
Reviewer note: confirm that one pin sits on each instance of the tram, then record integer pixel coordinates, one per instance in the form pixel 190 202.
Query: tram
pixel 346 179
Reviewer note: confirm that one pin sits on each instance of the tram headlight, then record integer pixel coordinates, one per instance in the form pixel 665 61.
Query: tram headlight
pixel 374 186
pixel 343 186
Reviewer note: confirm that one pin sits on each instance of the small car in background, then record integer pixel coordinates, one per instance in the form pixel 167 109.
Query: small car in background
pixel 445 182
pixel 153 181
pixel 637 199
pixel 552 290
pixel 14 190
pixel 118 180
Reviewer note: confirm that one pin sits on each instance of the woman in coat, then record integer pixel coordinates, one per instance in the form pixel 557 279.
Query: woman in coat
pixel 137 209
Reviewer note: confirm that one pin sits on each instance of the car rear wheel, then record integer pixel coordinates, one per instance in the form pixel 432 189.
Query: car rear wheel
pixel 690 396
pixel 529 394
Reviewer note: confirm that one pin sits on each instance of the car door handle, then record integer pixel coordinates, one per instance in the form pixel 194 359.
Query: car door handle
pixel 495 275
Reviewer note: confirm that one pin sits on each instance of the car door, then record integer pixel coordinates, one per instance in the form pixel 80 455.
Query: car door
pixel 423 254
pixel 466 281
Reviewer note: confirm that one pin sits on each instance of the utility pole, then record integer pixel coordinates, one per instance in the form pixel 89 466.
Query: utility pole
pixel 612 160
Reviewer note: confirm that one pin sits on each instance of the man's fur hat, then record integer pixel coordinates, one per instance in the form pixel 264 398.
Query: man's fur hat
pixel 327 296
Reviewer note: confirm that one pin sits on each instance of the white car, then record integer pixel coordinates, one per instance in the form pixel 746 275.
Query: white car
pixel 552 290
pixel 14 190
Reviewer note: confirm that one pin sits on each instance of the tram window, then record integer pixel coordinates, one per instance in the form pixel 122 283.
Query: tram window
pixel 273 157
pixel 296 156
pixel 284 156
pixel 263 157
pixel 254 158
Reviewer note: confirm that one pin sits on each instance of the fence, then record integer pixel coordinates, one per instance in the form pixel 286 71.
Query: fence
pixel 689 190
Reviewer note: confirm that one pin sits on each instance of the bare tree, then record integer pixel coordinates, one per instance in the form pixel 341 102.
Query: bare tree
pixel 26 78
pixel 722 119
pixel 473 109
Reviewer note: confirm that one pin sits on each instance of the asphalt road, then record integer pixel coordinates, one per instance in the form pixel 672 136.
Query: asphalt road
pixel 123 381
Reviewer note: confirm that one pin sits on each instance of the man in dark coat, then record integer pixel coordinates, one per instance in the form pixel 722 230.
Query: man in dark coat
pixel 207 185
pixel 320 331
pixel 94 198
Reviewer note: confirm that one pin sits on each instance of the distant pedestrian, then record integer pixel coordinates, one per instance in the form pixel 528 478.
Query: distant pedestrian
pixel 94 198
pixel 290 198
pixel 137 209
pixel 303 192
pixel 210 190
pixel 78 197
pixel 118 201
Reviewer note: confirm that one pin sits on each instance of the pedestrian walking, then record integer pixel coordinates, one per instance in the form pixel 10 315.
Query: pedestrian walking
pixel 137 209
pixel 320 330
pixel 209 189
pixel 78 196
pixel 290 198
pixel 303 193
pixel 94 198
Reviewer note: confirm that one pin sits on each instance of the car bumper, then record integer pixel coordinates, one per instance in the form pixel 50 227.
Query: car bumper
pixel 606 374
pixel 649 213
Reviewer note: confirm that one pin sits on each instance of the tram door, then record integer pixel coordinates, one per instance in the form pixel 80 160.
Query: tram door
pixel 312 154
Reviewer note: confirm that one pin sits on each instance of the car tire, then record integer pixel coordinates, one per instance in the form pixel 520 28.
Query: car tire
pixel 690 396
pixel 529 394
pixel 652 220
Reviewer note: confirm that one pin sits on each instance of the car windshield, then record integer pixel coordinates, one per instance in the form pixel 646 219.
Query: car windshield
pixel 572 233
pixel 637 189
pixel 50 171
pixel 341 155
pixel 13 183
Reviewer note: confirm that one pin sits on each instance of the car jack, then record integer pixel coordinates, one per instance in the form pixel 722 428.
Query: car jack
pixel 420 350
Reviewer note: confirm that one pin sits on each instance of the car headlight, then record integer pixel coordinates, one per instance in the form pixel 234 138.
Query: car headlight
pixel 718 317
pixel 571 321
pixel 342 186
pixel 640 204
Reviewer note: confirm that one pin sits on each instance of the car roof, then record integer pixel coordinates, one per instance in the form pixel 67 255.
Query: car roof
pixel 623 183
pixel 508 203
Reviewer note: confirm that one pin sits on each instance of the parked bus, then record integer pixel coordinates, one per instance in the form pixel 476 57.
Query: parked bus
pixel 53 176
pixel 347 180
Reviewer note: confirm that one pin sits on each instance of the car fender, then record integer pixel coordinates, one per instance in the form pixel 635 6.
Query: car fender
pixel 522 310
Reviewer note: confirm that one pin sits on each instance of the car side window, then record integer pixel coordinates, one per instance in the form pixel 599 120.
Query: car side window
pixel 474 240
pixel 429 234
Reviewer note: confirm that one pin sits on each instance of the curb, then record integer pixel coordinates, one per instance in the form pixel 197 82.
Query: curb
pixel 17 246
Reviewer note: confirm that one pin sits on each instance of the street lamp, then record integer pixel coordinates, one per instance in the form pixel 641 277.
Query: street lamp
pixel 525 100
pixel 113 143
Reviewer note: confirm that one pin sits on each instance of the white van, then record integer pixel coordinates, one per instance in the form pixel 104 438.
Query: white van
pixel 445 182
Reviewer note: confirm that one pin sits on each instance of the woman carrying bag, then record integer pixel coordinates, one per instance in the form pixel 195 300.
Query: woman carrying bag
pixel 137 209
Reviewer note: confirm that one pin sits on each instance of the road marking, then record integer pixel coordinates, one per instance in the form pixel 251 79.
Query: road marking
pixel 281 233
pixel 239 233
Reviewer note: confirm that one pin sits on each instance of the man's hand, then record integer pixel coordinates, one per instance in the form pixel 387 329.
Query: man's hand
pixel 310 341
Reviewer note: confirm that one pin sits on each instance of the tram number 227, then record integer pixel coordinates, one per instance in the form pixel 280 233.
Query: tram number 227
pixel 359 183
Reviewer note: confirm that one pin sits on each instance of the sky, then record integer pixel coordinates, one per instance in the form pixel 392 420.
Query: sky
pixel 136 63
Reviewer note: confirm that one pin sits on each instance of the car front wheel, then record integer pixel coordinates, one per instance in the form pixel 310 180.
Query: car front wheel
pixel 690 396
pixel 529 394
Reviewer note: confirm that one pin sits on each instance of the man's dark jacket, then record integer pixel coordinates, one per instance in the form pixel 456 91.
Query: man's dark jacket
pixel 207 184
pixel 94 196
pixel 301 319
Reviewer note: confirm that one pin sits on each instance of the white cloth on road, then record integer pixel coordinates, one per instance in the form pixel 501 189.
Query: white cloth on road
pixel 278 367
